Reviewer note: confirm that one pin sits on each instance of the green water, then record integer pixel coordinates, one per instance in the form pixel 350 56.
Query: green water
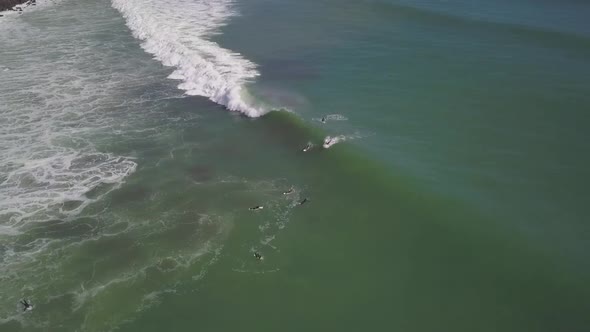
pixel 458 203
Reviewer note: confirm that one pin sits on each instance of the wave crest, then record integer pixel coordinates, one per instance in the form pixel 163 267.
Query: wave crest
pixel 175 32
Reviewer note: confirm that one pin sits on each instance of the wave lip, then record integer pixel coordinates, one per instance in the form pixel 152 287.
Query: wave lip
pixel 176 32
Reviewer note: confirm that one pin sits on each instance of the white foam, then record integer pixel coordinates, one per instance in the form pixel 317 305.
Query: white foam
pixel 38 183
pixel 68 106
pixel 336 117
pixel 176 32
pixel 26 7
pixel 330 141
pixel 7 230
pixel 331 117
pixel 50 111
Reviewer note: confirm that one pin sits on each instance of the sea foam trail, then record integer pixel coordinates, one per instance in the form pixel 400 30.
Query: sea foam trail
pixel 176 32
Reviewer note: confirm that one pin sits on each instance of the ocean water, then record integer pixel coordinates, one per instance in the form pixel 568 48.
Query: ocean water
pixel 135 135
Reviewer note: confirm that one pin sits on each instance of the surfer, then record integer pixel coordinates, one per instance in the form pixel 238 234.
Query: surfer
pixel 305 200
pixel 290 191
pixel 323 120
pixel 307 147
pixel 26 305
pixel 257 207
pixel 258 256
pixel 329 141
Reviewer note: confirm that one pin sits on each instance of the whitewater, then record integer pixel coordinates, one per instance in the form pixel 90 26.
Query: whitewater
pixel 50 116
pixel 175 32
pixel 81 109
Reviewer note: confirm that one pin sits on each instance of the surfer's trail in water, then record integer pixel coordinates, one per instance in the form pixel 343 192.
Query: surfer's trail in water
pixel 176 32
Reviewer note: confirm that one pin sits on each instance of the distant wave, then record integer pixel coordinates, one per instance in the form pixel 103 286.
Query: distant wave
pixel 565 26
pixel 176 32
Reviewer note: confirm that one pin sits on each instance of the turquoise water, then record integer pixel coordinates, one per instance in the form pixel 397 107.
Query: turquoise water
pixel 455 201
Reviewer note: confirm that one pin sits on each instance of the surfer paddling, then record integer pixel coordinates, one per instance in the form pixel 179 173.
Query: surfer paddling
pixel 26 305
pixel 257 207
pixel 305 200
pixel 288 192
pixel 307 147
pixel 258 256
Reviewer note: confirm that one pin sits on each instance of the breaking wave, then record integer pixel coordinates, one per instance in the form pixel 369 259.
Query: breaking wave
pixel 176 32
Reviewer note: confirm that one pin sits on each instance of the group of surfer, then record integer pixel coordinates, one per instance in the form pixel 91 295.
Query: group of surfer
pixel 328 141
pixel 258 255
